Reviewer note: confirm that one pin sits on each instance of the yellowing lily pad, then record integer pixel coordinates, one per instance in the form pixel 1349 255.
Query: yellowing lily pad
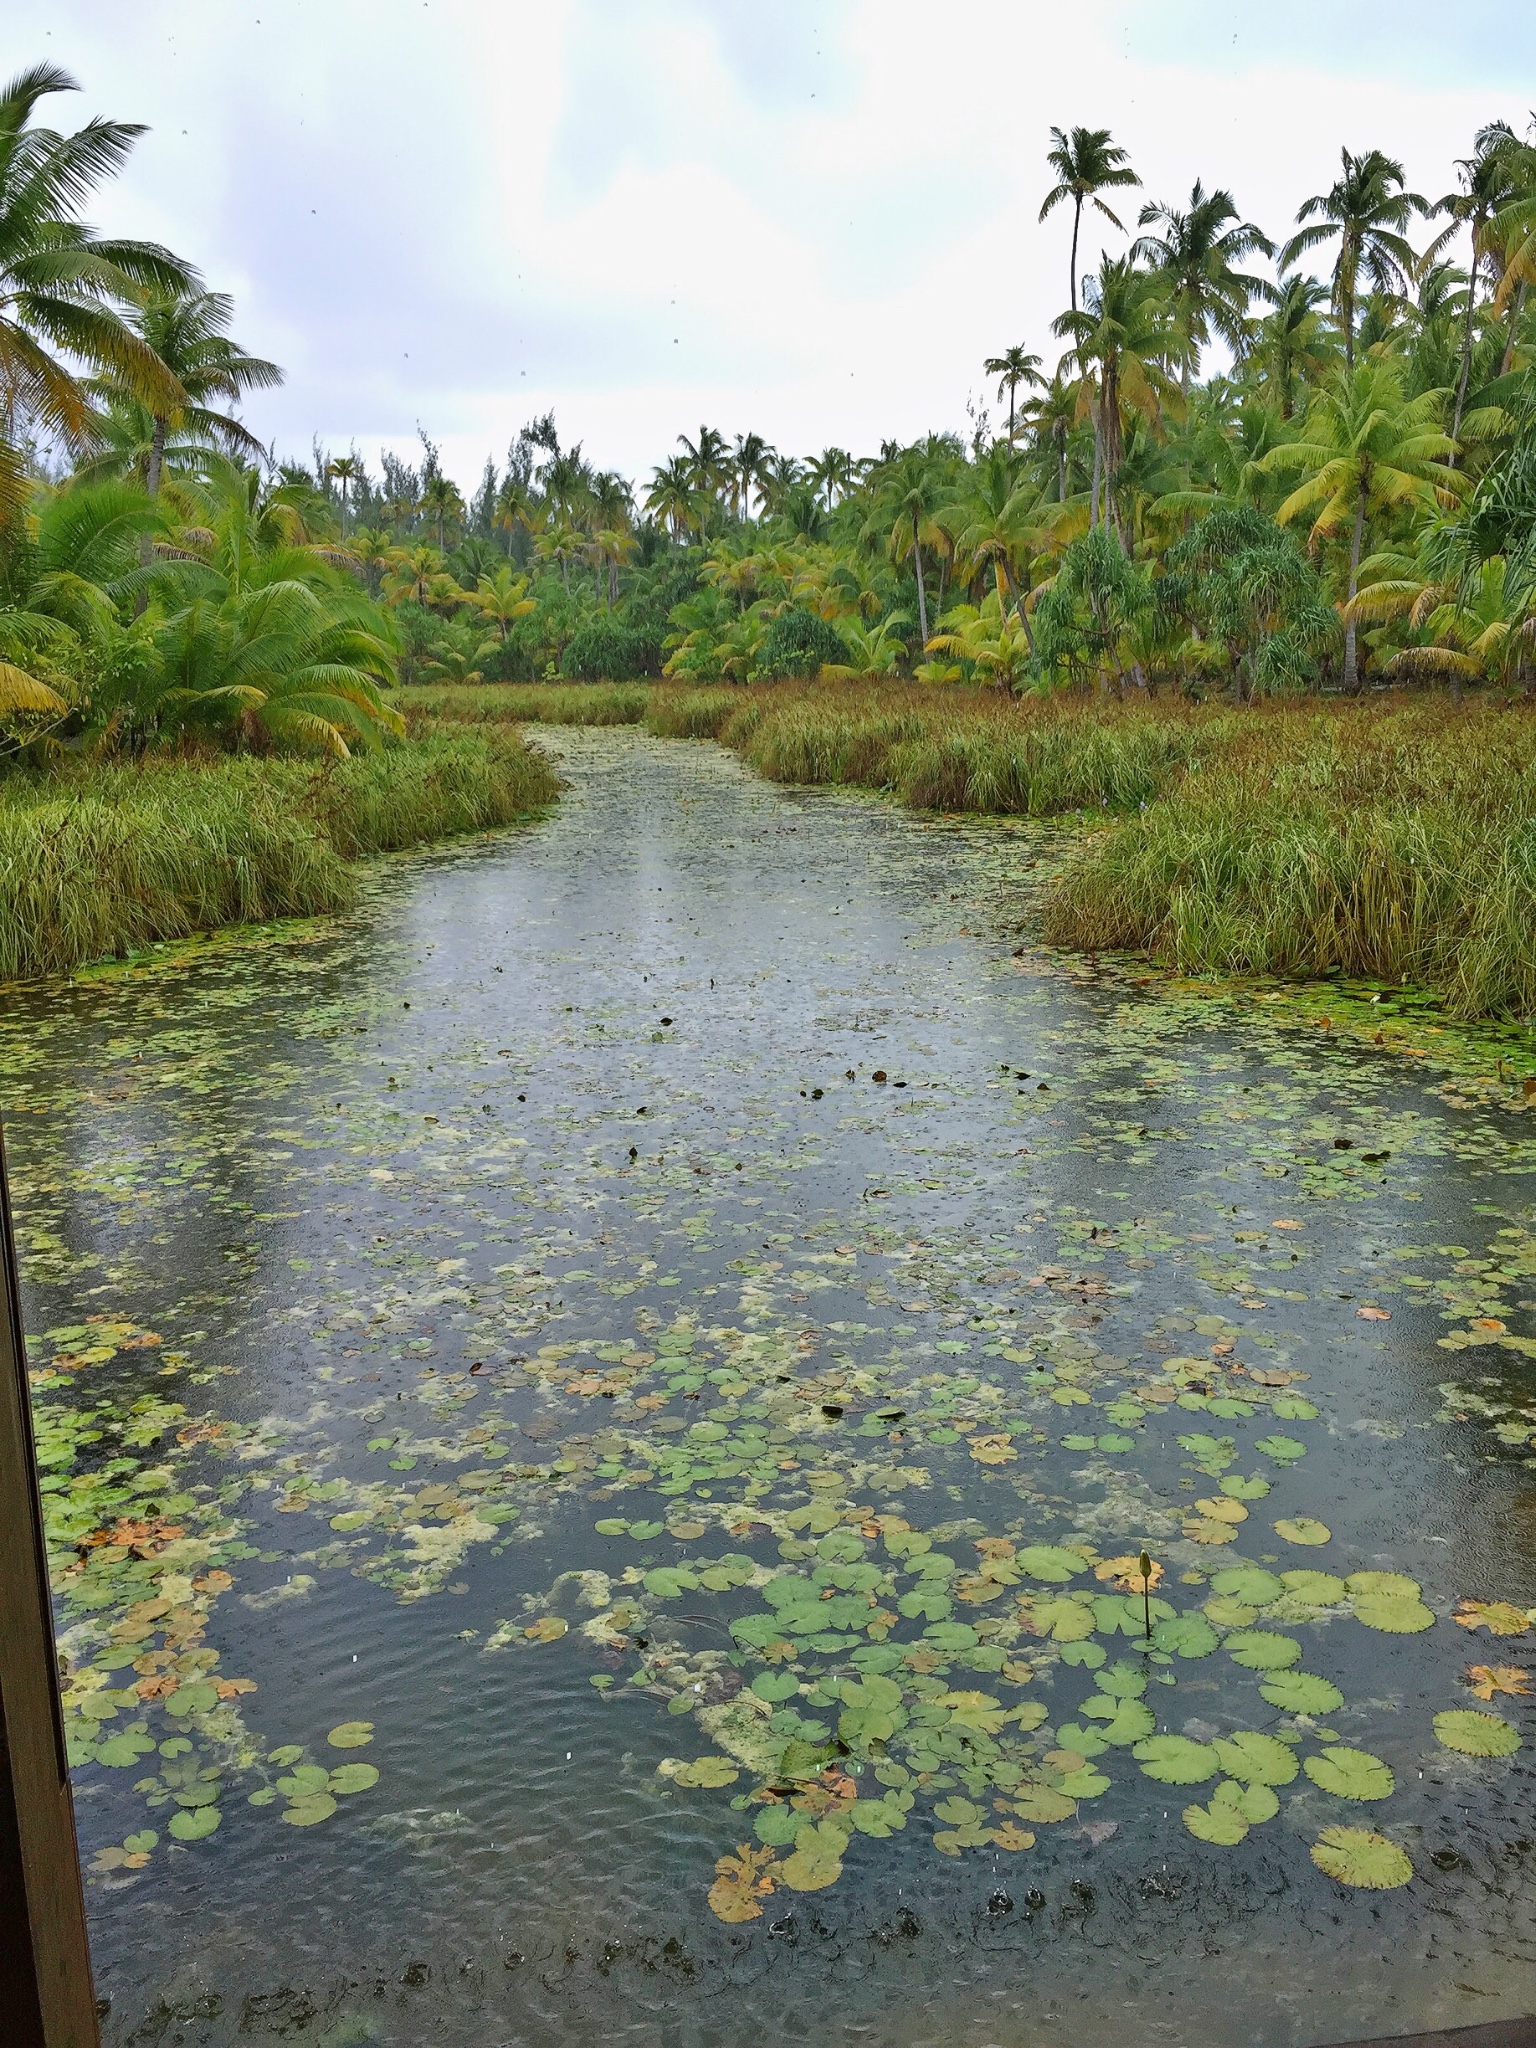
pixel 1350 1773
pixel 352 1778
pixel 1358 1857
pixel 1474 1734
pixel 306 1813
pixel 1303 1529
pixel 708 1771
pixel 351 1735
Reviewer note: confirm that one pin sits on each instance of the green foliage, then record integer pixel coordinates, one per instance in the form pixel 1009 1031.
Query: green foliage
pixel 799 644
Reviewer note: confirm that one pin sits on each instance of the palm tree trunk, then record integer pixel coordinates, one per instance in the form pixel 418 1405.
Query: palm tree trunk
pixel 1098 470
pixel 922 599
pixel 1061 462
pixel 1351 662
pixel 152 474
pixel 1466 345
pixel 1077 221
pixel 1514 328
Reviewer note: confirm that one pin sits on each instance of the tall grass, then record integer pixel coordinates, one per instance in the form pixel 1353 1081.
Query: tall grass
pixel 1390 844
pixel 102 861
pixel 533 703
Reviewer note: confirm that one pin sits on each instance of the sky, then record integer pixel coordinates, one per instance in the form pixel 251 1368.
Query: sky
pixel 809 219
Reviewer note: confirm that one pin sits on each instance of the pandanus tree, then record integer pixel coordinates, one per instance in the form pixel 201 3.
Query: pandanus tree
pixel 62 287
pixel 1086 162
pixel 1366 211
pixel 1366 449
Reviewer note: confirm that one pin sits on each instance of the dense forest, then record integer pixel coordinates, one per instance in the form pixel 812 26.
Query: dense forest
pixel 1240 463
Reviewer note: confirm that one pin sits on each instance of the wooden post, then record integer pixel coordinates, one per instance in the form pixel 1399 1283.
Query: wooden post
pixel 46 1999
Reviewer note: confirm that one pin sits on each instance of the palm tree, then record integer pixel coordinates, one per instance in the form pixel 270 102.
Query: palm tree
pixel 189 332
pixel 346 470
pixel 1086 163
pixel 502 599
pixel 1367 209
pixel 1194 256
pixel 832 471
pixel 672 497
pixel 1121 340
pixel 1496 174
pixel 1017 366
pixel 709 461
pixel 911 492
pixel 441 502
pixel 1366 448
pixel 1292 341
pixel 58 279
pixel 750 453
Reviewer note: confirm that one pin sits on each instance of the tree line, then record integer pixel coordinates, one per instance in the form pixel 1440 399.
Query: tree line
pixel 1251 466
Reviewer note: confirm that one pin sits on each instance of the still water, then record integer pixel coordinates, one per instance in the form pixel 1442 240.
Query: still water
pixel 600 1419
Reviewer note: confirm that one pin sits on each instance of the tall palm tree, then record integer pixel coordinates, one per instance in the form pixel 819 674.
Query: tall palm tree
pixel 189 332
pixel 671 497
pixel 1367 209
pixel 345 470
pixel 60 283
pixel 709 461
pixel 910 494
pixel 747 459
pixel 1366 448
pixel 1086 162
pixel 1014 367
pixel 1194 256
pixel 1499 171
pixel 1121 340
pixel 440 500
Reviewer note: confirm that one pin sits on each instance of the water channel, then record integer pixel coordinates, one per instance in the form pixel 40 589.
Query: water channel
pixel 608 1406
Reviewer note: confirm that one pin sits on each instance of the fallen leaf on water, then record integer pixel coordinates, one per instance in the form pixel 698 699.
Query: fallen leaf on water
pixel 741 1883
pixel 1285 1223
pixel 548 1629
pixel 1487 1679
pixel 1125 1572
pixel 1499 1617
pixel 1374 1315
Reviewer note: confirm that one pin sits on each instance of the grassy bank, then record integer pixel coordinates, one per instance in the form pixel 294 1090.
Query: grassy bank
pixel 98 861
pixel 1381 841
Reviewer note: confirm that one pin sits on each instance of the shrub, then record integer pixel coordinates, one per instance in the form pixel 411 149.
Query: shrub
pixel 799 644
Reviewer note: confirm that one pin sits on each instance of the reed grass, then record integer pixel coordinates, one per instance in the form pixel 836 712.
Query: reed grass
pixel 530 703
pixel 102 861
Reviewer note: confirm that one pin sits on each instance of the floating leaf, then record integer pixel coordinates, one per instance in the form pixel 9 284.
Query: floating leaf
pixel 1223 1508
pixel 1283 1449
pixel 1262 1650
pixel 549 1628
pixel 1318 1589
pixel 309 1812
pixel 1303 1529
pixel 708 1771
pixel 1218 1823
pixel 741 1884
pixel 1042 1804
pixel 1176 1760
pixel 190 1825
pixel 1046 1561
pixel 1248 1583
pixel 1086 1783
pixel 1256 1759
pixel 1475 1734
pixel 350 1735
pixel 1185 1635
pixel 352 1778
pixel 667 1582
pixel 1255 1803
pixel 1487 1679
pixel 1383 1586
pixel 776 1685
pixel 1244 1489
pixel 1499 1617
pixel 1350 1773
pixel 1392 1616
pixel 816 1859
pixel 1300 1692
pixel 1356 1856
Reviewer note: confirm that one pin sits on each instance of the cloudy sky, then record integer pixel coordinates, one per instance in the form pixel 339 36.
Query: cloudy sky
pixel 808 218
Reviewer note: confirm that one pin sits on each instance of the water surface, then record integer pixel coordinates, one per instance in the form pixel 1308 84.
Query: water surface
pixel 486 1330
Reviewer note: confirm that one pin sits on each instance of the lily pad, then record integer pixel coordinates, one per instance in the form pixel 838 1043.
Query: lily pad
pixel 1304 1529
pixel 709 1771
pixel 1256 1759
pixel 351 1735
pixel 1185 1635
pixel 1301 1692
pixel 1358 1857
pixel 1283 1449
pixel 776 1685
pixel 190 1825
pixel 1176 1760
pixel 1042 1804
pixel 1393 1616
pixel 1260 1649
pixel 1474 1734
pixel 1249 1583
pixel 1218 1823
pixel 307 1813
pixel 1256 1803
pixel 352 1778
pixel 1350 1773
pixel 816 1859
pixel 1318 1589
pixel 1046 1561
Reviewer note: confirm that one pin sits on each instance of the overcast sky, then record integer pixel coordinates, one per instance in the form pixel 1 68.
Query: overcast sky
pixel 809 218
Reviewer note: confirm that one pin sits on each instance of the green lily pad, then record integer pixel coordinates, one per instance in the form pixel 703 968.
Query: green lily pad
pixel 671 1581
pixel 308 1813
pixel 303 1781
pixel 1185 1635
pixel 1261 1649
pixel 1255 1803
pixel 1392 1616
pixel 1318 1589
pixel 778 1825
pixel 1300 1692
pixel 708 1771
pixel 1046 1561
pixel 1256 1759
pixel 1244 1489
pixel 1087 1783
pixel 1042 1804
pixel 352 1778
pixel 1358 1857
pixel 190 1825
pixel 1249 1583
pixel 1176 1760
pixel 1218 1823
pixel 816 1859
pixel 1383 1586
pixel 1350 1773
pixel 1304 1529
pixel 351 1735
pixel 1122 1681
pixel 1476 1734
pixel 1283 1449
pixel 776 1685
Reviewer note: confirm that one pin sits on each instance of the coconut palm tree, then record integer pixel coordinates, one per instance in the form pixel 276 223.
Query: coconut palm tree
pixel 709 462
pixel 189 332
pixel 1086 162
pixel 502 599
pixel 747 460
pixel 60 283
pixel 1194 256
pixel 1121 339
pixel 1499 172
pixel 832 473
pixel 911 491
pixel 671 497
pixel 1365 448
pixel 1013 368
pixel 440 501
pixel 1367 210
pixel 345 470
pixel 1291 342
